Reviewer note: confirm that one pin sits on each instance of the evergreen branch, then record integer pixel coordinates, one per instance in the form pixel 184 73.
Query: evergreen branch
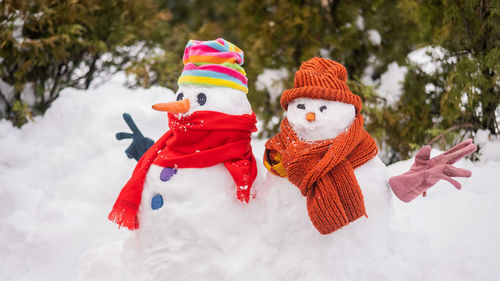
pixel 7 103
pixel 49 102
pixel 56 81
pixel 90 74
pixel 334 4
pixel 465 19
pixel 452 128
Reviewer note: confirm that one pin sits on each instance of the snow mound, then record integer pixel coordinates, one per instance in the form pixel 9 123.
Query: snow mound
pixel 60 175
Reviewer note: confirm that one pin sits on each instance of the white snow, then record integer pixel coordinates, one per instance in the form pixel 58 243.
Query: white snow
pixel 272 80
pixel 360 22
pixel 462 226
pixel 489 144
pixel 482 137
pixel 60 175
pixel 430 58
pixel 374 37
pixel 391 82
pixel 389 86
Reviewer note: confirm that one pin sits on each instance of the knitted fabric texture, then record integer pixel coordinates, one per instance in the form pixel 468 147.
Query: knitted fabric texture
pixel 213 63
pixel 324 172
pixel 320 78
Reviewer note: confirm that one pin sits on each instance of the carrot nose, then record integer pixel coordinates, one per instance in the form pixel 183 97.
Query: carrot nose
pixel 181 106
pixel 310 116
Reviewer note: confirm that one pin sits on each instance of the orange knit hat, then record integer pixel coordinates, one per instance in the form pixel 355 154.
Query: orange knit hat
pixel 320 78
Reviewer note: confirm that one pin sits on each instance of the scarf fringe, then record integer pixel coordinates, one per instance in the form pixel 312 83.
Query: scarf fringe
pixel 124 215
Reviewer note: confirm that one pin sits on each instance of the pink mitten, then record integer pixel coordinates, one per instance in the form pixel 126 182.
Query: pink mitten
pixel 426 171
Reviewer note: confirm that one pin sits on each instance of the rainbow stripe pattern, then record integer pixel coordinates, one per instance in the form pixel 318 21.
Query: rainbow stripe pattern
pixel 215 63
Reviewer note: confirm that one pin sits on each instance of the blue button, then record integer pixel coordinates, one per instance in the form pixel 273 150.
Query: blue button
pixel 156 202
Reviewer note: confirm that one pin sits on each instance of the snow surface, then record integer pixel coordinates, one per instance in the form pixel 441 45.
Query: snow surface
pixel 60 175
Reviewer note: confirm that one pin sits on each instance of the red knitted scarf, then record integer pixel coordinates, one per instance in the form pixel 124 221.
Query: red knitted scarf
pixel 202 139
pixel 324 172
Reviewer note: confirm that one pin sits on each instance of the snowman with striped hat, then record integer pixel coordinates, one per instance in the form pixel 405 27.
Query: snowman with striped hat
pixel 190 184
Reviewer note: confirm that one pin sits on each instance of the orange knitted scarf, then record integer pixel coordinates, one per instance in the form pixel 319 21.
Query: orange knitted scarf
pixel 324 172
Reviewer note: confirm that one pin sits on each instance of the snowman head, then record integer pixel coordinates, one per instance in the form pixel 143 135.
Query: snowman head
pixel 221 99
pixel 320 105
pixel 212 80
pixel 318 119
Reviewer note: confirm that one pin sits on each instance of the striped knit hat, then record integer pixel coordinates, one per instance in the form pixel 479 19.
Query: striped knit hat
pixel 213 63
pixel 320 78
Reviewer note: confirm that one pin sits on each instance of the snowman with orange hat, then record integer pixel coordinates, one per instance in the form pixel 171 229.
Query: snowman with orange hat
pixel 330 195
pixel 323 149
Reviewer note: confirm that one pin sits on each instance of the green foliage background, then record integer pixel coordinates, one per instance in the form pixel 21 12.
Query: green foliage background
pixel 46 44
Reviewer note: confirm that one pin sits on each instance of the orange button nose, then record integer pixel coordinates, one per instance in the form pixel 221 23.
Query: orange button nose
pixel 310 116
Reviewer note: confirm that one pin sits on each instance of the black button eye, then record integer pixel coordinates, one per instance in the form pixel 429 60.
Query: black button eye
pixel 323 108
pixel 202 98
pixel 180 96
pixel 301 106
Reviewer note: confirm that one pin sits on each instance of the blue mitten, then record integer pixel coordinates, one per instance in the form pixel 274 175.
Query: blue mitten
pixel 140 144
